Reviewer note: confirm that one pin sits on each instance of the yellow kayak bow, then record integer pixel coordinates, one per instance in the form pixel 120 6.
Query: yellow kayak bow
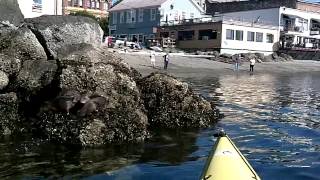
pixel 226 162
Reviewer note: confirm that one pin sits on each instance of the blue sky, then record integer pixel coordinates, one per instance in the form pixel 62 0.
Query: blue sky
pixel 313 0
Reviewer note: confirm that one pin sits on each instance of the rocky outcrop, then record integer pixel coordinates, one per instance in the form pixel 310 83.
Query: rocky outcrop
pixel 58 84
pixel 259 57
pixel 16 46
pixel 120 117
pixel 10 12
pixel 59 34
pixel 9 116
pixel 4 80
pixel 171 103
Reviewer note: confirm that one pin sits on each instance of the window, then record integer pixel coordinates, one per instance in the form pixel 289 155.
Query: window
pixel 185 35
pixel 270 38
pixel 259 37
pixel 97 5
pixel 140 16
pixel 122 20
pixel 128 13
pixel 230 34
pixel 153 14
pixel 207 34
pixel 183 15
pixel 114 17
pixel 133 15
pixel 250 36
pixel 93 5
pixel 239 35
pixel 191 15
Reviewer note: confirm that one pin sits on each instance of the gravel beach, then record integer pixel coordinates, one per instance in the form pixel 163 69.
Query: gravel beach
pixel 182 66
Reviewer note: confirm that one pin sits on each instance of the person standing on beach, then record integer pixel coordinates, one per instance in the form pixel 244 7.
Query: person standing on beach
pixel 237 62
pixel 252 62
pixel 153 59
pixel 166 60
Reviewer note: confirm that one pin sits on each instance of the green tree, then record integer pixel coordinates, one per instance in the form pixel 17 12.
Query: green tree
pixel 103 22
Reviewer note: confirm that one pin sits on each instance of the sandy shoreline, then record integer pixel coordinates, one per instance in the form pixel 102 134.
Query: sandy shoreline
pixel 190 66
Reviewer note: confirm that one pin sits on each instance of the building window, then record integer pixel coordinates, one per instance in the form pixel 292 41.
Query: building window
pixel 93 5
pixel 183 16
pixel 270 38
pixel 191 15
pixel 250 36
pixel 230 34
pixel 133 15
pixel 259 37
pixel 114 17
pixel 185 35
pixel 239 35
pixel 153 14
pixel 140 15
pixel 128 13
pixel 37 6
pixel 122 20
pixel 207 34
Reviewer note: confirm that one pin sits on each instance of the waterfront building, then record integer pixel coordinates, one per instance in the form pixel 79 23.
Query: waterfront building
pixel 139 20
pixel 298 28
pixel 224 34
pixel 35 8
pixel 215 7
pixel 99 8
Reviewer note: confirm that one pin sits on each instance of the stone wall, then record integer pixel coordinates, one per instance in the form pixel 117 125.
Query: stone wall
pixel 302 55
pixel 234 6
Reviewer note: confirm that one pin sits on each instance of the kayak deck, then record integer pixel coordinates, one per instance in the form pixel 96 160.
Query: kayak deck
pixel 227 163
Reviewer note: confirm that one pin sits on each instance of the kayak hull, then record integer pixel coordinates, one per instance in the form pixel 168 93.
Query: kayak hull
pixel 226 162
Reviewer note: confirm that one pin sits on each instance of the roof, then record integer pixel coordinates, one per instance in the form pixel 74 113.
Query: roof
pixel 134 4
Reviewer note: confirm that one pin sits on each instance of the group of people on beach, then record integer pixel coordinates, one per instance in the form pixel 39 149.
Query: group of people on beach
pixel 237 62
pixel 165 60
pixel 166 57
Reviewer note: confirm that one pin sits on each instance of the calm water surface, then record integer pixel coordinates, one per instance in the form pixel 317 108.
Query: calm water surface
pixel 273 119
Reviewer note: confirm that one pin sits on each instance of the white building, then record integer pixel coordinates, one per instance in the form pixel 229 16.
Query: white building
pixel 248 37
pixel 227 35
pixel 35 8
pixel 297 28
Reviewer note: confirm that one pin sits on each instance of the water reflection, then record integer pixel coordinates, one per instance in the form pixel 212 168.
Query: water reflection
pixel 273 119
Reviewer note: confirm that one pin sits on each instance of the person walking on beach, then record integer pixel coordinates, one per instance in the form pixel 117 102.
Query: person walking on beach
pixel 153 59
pixel 252 62
pixel 237 62
pixel 166 60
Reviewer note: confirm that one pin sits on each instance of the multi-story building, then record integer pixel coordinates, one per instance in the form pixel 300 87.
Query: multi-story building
pixel 297 28
pixel 98 8
pixel 139 20
pixel 35 8
pixel 224 34
pixel 214 7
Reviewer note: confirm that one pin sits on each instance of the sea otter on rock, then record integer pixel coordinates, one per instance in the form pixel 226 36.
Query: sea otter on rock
pixel 65 101
pixel 90 104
